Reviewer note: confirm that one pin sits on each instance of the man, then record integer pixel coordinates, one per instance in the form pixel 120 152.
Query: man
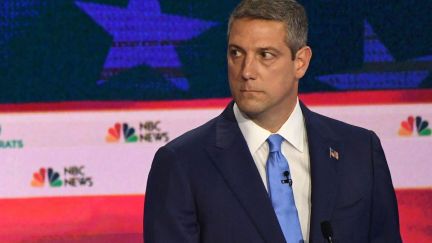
pixel 268 169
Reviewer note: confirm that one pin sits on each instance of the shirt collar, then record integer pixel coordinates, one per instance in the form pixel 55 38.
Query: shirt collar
pixel 292 130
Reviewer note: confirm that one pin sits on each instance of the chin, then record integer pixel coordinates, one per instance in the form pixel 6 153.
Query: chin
pixel 248 107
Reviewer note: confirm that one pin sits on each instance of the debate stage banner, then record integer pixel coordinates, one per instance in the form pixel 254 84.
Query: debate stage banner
pixel 90 89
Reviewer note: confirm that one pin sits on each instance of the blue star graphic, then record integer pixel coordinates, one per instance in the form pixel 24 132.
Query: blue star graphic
pixel 380 70
pixel 142 35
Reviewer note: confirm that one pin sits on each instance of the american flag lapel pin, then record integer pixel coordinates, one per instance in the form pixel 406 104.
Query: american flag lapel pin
pixel 333 153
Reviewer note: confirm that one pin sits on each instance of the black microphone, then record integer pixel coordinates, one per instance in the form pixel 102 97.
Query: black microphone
pixel 327 231
pixel 288 178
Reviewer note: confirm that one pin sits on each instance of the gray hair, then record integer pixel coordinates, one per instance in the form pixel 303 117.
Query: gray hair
pixel 290 12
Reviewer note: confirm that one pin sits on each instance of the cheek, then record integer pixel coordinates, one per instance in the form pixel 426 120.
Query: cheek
pixel 233 69
pixel 233 82
pixel 280 82
pixel 234 77
pixel 282 74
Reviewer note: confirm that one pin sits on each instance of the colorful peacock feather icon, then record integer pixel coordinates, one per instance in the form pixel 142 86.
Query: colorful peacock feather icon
pixel 421 126
pixel 114 133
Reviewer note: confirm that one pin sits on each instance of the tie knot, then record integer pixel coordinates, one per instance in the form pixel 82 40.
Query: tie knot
pixel 275 141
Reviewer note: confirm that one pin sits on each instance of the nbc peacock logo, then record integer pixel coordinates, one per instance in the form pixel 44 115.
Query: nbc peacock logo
pixel 115 133
pixel 414 125
pixel 40 176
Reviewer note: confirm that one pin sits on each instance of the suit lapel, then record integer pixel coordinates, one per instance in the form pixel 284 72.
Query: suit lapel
pixel 323 166
pixel 232 158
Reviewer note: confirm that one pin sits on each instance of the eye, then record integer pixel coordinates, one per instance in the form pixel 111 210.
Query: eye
pixel 266 55
pixel 234 53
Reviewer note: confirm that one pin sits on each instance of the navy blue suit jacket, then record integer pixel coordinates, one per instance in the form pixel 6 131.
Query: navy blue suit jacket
pixel 204 187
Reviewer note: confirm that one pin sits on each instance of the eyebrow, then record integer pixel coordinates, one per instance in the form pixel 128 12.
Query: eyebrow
pixel 265 48
pixel 235 46
pixel 269 49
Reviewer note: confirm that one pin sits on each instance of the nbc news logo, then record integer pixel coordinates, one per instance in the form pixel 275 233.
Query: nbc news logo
pixel 53 178
pixel 74 176
pixel 149 131
pixel 114 133
pixel 420 125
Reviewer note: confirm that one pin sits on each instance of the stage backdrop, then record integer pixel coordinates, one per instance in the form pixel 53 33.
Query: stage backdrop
pixel 90 89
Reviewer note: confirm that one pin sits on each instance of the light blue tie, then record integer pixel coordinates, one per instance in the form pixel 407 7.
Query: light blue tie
pixel 280 191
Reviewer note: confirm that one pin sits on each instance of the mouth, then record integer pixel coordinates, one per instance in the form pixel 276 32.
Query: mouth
pixel 246 93
pixel 250 91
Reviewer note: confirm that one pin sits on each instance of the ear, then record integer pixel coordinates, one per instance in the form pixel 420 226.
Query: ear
pixel 302 60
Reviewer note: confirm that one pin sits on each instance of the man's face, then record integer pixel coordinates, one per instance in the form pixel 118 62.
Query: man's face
pixel 262 75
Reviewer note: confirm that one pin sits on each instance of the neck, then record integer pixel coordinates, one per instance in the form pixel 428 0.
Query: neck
pixel 272 122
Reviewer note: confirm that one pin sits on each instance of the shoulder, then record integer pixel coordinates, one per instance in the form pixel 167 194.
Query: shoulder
pixel 341 125
pixel 337 129
pixel 205 134
pixel 195 138
pixel 184 153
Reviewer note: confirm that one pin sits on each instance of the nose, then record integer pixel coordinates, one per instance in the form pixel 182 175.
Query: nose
pixel 249 68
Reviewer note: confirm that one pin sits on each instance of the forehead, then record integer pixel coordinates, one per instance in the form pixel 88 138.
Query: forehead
pixel 257 32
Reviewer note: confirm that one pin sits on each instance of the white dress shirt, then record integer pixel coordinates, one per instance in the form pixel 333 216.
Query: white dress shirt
pixel 294 148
